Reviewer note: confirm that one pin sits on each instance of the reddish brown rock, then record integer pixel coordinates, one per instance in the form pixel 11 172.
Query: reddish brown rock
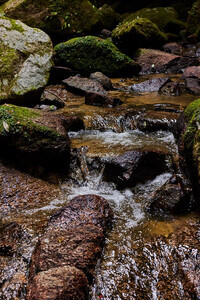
pixel 59 283
pixel 101 100
pixel 156 61
pixel 173 88
pixel 173 48
pixel 193 71
pixel 103 80
pixel 74 238
pixel 193 85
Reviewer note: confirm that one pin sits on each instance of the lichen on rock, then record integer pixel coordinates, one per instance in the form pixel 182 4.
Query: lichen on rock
pixel 25 58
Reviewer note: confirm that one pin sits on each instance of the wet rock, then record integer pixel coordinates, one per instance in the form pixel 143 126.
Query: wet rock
pixel 10 236
pixel 103 80
pixel 59 73
pixel 173 89
pixel 193 72
pixel 101 100
pixel 173 197
pixel 56 95
pixel 92 54
pixel 155 61
pixel 31 137
pixel 74 238
pixel 82 85
pixel 152 85
pixel 193 85
pixel 136 34
pixel 25 60
pixel 173 48
pixel 59 283
pixel 153 120
pixel 133 167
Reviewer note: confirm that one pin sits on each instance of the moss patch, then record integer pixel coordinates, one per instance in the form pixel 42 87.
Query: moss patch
pixel 90 54
pixel 139 33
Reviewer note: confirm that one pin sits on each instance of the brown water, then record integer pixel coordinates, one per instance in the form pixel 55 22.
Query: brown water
pixel 144 257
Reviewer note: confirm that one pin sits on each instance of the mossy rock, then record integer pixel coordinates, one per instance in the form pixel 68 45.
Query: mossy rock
pixel 191 138
pixel 158 15
pixel 140 33
pixel 109 17
pixel 25 59
pixel 59 18
pixel 193 22
pixel 24 137
pixel 91 54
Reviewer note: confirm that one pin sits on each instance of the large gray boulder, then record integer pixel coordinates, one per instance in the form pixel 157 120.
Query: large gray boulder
pixel 25 59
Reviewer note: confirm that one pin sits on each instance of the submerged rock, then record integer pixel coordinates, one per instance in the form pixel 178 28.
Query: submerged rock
pixel 32 138
pixel 156 61
pixel 153 120
pixel 73 241
pixel 139 33
pixel 91 54
pixel 25 60
pixel 82 85
pixel 152 85
pixel 58 18
pixel 101 100
pixel 133 167
pixel 173 88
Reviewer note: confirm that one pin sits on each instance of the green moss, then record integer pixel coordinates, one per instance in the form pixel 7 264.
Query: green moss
pixel 194 18
pixel 192 115
pixel 90 54
pixel 23 130
pixel 109 17
pixel 159 15
pixel 138 33
pixel 55 16
pixel 16 26
pixel 8 59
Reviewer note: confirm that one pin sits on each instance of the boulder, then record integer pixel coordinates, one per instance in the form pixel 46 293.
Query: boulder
pixel 103 80
pixel 33 138
pixel 25 60
pixel 133 167
pixel 138 33
pixel 173 197
pixel 191 140
pixel 109 17
pixel 59 283
pixel 91 54
pixel 73 241
pixel 81 86
pixel 156 61
pixel 158 15
pixel 60 19
pixel 101 100
pixel 152 85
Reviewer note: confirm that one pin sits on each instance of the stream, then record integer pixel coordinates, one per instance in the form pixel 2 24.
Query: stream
pixel 145 257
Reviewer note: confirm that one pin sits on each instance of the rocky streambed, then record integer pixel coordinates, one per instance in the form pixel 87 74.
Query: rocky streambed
pixel 127 156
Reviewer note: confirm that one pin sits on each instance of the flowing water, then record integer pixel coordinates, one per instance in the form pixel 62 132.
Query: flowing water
pixel 144 257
